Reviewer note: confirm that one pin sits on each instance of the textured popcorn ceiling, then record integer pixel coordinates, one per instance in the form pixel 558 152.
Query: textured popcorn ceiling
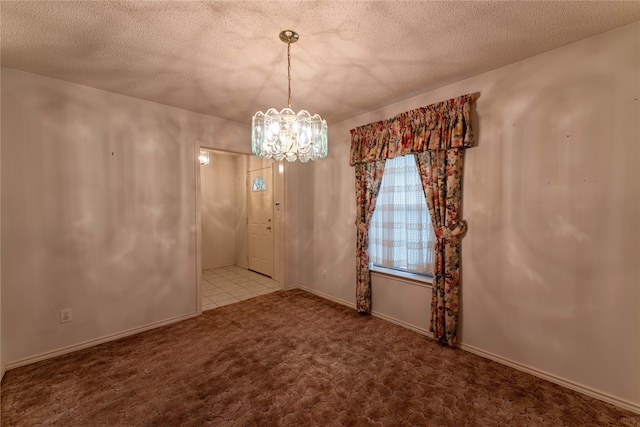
pixel 225 58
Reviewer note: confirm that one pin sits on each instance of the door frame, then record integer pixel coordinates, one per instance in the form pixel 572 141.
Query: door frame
pixel 278 174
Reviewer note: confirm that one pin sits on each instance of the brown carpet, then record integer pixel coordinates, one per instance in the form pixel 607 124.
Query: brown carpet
pixel 288 359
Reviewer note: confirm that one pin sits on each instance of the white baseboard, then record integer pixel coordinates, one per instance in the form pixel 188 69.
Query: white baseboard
pixel 325 296
pixel 374 313
pixel 402 323
pixel 630 406
pixel 69 349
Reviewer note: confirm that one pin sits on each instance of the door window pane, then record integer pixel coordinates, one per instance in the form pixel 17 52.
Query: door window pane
pixel 259 185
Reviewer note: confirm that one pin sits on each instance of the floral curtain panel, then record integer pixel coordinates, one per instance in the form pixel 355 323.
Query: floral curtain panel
pixel 437 135
pixel 368 182
pixel 441 173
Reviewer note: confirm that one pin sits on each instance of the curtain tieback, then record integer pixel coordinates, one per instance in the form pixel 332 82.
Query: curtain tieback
pixel 447 233
pixel 361 226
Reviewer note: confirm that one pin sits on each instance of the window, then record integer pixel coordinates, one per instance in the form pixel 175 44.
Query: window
pixel 259 185
pixel 401 236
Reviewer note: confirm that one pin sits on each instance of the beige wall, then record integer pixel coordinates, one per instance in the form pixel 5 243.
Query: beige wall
pixel 219 210
pixel 240 186
pixel 98 212
pixel 550 273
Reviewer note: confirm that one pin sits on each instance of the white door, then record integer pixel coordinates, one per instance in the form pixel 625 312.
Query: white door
pixel 260 219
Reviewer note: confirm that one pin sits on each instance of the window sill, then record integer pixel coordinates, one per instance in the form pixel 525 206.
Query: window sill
pixel 410 278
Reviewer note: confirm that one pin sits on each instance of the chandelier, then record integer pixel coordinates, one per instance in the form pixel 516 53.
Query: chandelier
pixel 285 134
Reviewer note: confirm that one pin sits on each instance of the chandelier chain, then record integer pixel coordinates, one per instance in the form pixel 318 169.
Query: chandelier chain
pixel 289 71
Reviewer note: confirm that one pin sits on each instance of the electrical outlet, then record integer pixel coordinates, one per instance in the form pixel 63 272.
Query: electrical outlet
pixel 324 274
pixel 65 315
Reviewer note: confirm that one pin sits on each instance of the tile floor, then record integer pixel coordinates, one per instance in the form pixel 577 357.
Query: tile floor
pixel 226 285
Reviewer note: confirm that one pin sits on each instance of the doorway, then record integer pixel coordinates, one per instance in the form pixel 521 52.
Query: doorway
pixel 236 241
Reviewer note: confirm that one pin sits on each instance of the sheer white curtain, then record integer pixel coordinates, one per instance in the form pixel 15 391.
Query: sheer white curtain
pixel 400 234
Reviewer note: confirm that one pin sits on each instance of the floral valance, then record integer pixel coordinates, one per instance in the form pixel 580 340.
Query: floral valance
pixel 438 126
